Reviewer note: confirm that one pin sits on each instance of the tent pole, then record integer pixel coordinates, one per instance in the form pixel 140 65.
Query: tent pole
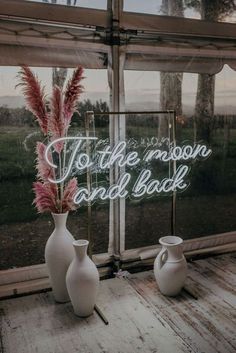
pixel 116 126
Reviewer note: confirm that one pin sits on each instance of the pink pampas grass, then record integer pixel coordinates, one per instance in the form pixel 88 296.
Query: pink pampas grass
pixel 35 97
pixel 45 197
pixel 69 192
pixel 72 93
pixel 44 170
pixel 57 124
pixel 52 197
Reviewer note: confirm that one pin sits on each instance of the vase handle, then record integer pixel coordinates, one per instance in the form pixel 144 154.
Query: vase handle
pixel 163 256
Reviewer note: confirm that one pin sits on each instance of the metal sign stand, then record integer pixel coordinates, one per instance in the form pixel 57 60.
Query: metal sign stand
pixel 172 127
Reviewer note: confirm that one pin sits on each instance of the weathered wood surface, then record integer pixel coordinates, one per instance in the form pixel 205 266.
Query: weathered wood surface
pixel 209 323
pixel 140 318
pixel 36 324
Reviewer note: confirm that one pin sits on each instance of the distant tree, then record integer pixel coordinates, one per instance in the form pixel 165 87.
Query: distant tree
pixel 23 117
pixel 211 10
pixel 4 115
pixel 59 76
pixel 97 107
pixel 16 116
pixel 101 120
pixel 170 82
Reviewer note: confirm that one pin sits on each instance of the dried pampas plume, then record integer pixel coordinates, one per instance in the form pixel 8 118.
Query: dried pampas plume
pixel 35 96
pixel 52 197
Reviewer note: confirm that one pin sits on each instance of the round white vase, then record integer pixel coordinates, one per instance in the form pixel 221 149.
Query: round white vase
pixel 59 253
pixel 170 266
pixel 82 280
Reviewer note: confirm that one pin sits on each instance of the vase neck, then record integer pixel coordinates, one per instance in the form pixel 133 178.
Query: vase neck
pixel 60 219
pixel 173 245
pixel 81 247
pixel 174 252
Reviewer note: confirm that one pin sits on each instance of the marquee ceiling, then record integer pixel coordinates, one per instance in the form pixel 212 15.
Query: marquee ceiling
pixel 48 35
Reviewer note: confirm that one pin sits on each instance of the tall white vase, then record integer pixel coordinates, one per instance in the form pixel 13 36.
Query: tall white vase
pixel 170 266
pixel 82 280
pixel 59 253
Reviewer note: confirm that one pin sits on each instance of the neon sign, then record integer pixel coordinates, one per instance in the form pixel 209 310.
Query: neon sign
pixel 107 157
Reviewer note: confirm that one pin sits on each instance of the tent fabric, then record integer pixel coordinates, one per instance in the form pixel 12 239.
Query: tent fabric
pixel 174 64
pixel 39 44
pixel 15 55
pixel 178 26
pixel 49 46
pixel 28 33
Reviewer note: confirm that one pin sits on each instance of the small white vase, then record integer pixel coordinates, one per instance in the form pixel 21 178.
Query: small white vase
pixel 59 253
pixel 82 280
pixel 170 266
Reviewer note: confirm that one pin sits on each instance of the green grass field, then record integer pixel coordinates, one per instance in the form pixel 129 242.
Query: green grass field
pixel 16 175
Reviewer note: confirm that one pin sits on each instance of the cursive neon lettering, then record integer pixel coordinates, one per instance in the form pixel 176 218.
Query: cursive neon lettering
pixel 144 185
pixel 117 155
pixel 83 162
pixel 72 157
pixel 178 153
pixel 123 156
pixel 114 191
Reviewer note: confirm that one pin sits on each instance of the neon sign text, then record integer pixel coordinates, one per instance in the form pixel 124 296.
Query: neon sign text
pixel 107 157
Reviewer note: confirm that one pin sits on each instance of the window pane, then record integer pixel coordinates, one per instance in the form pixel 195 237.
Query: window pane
pixel 151 7
pixel 207 206
pixel 157 7
pixel 142 90
pixel 96 4
pixel 222 11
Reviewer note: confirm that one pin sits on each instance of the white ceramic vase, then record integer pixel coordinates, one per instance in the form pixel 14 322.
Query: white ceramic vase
pixel 170 266
pixel 59 253
pixel 82 280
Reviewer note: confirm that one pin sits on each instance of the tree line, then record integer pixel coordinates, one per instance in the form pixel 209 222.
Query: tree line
pixel 23 117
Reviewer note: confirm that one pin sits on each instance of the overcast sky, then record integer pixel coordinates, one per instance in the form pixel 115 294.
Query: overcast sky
pixel 141 6
pixel 139 85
